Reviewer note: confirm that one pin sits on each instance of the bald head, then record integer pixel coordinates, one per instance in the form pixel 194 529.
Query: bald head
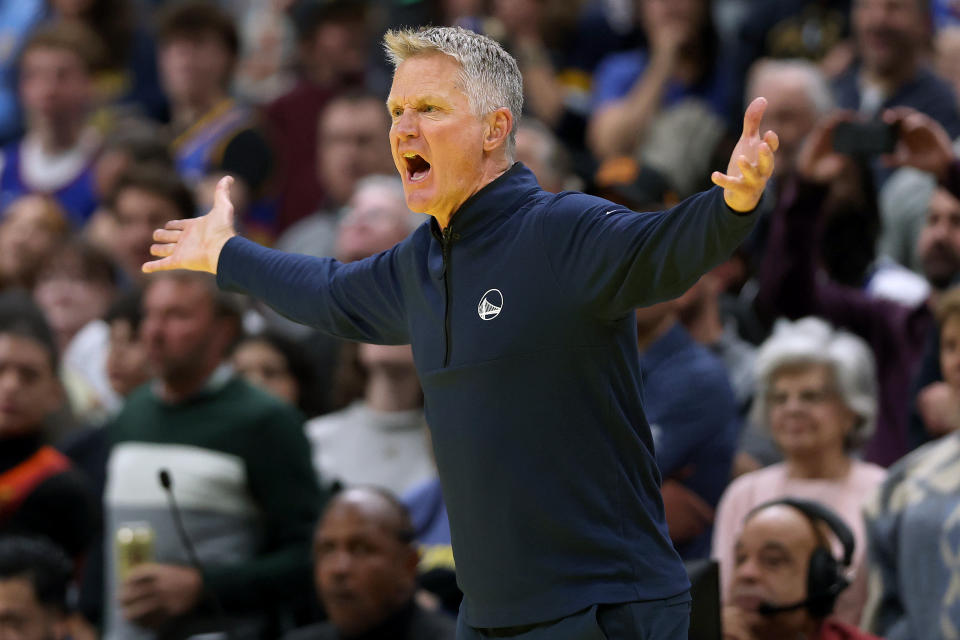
pixel 365 563
pixel 375 505
pixel 771 562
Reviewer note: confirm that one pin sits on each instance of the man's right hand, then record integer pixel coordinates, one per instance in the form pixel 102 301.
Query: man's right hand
pixel 195 244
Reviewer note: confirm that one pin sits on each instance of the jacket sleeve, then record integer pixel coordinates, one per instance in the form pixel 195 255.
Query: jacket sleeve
pixel 358 301
pixel 613 260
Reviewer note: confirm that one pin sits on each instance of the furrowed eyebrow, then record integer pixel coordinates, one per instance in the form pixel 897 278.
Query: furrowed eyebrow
pixel 419 102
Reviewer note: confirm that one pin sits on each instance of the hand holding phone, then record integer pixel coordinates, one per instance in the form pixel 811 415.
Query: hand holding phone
pixel 870 138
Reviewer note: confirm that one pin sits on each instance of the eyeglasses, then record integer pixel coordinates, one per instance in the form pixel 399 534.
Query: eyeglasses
pixel 805 397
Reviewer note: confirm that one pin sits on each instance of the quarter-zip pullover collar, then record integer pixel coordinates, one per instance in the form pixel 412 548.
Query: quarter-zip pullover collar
pixel 496 199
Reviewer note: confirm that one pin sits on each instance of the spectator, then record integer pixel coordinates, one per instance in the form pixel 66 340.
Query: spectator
pixel 785 559
pixel 816 392
pixel 279 365
pixel 631 88
pixel 896 332
pixel 365 568
pixel 545 155
pixel 380 439
pixel 556 51
pixel 17 21
pixel 911 529
pixel 265 67
pixel 240 466
pixel 74 289
pixel 127 368
pixel 56 154
pixel 375 219
pixel 126 77
pixel 133 142
pixel 701 311
pixel 43 494
pixel 892 40
pixel 34 584
pixel 144 198
pixel 333 44
pixel 31 229
pixel 798 96
pixel 947 58
pixel 905 199
pixel 939 402
pixel 127 364
pixel 349 147
pixel 198 46
pixel 694 427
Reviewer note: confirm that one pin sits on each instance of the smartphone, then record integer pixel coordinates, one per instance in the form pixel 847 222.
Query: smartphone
pixel 870 138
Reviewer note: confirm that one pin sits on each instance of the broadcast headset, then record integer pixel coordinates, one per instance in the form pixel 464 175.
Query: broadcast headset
pixel 826 575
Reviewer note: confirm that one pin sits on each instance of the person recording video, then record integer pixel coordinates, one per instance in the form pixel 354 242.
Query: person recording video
pixel 786 575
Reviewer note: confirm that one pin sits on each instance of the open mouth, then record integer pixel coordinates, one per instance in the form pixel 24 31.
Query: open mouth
pixel 417 167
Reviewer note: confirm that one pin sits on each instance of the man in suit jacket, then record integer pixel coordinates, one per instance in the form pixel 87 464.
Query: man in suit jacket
pixel 365 568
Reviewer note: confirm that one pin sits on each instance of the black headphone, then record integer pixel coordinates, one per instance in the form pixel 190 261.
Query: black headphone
pixel 826 575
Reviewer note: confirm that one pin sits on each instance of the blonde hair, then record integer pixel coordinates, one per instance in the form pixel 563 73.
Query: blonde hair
pixel 488 74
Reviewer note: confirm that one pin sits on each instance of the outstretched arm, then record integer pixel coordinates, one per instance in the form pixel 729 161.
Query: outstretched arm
pixel 356 301
pixel 613 260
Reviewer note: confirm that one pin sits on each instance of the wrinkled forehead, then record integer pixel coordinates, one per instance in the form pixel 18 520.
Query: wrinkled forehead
pixel 432 72
pixel 779 525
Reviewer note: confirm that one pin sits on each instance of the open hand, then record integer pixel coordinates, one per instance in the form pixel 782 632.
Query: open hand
pixel 921 143
pixel 195 244
pixel 751 163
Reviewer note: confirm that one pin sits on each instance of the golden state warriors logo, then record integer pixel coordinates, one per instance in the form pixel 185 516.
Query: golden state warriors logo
pixel 490 304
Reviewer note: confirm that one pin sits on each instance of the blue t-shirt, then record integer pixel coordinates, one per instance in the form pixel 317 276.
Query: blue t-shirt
pixel 695 426
pixel 617 74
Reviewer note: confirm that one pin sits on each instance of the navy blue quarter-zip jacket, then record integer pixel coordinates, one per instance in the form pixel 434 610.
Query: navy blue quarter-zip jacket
pixel 520 314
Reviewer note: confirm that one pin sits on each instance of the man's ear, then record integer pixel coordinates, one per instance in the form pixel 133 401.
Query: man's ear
pixel 499 124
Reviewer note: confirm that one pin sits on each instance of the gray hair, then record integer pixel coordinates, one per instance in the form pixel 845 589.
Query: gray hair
pixel 488 74
pixel 394 186
pixel 812 341
pixel 814 83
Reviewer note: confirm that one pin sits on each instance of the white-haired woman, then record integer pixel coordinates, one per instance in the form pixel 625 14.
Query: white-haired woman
pixel 817 394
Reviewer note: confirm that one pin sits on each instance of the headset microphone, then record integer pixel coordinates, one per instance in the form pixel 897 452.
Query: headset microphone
pixel 166 481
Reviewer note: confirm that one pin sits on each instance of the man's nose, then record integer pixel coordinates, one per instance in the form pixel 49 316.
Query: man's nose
pixel 338 562
pixel 407 124
pixel 9 380
pixel 746 571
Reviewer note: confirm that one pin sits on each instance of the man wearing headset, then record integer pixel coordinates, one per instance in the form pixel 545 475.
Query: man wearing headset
pixel 786 577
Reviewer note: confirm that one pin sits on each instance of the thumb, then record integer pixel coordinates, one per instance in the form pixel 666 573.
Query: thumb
pixel 221 198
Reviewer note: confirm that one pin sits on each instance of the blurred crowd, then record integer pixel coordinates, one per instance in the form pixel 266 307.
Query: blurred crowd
pixel 176 461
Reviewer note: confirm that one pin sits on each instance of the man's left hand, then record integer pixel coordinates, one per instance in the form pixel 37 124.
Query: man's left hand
pixel 751 163
pixel 155 593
